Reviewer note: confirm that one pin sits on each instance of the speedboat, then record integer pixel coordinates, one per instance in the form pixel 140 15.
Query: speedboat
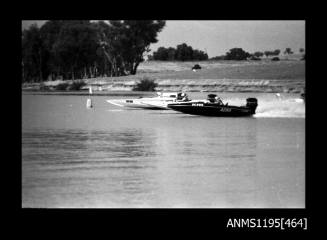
pixel 213 106
pixel 159 102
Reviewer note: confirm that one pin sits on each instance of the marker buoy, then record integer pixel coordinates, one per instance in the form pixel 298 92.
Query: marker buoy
pixel 89 103
pixel 89 100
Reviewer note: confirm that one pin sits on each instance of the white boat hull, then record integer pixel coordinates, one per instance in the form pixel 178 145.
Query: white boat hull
pixel 140 104
pixel 159 102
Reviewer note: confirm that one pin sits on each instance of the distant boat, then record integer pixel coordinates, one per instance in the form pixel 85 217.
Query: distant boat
pixel 159 102
pixel 214 106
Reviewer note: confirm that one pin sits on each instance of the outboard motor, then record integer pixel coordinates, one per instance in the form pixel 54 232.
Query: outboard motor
pixel 252 103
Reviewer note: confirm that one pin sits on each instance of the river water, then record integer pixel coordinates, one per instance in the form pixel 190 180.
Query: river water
pixel 109 156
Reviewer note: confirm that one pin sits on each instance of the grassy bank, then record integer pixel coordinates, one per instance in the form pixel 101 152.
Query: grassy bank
pixel 220 76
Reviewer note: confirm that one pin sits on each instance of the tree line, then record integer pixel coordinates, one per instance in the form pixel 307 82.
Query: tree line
pixel 240 54
pixel 182 52
pixel 76 49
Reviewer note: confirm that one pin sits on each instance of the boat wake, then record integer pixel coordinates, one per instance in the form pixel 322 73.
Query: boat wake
pixel 269 107
pixel 288 108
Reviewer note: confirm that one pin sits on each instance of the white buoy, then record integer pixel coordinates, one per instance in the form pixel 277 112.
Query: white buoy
pixel 89 100
pixel 89 103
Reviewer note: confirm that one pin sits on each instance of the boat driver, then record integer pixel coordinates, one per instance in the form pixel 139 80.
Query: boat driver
pixel 184 97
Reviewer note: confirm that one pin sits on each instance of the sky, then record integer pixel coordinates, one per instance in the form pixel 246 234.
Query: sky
pixel 217 37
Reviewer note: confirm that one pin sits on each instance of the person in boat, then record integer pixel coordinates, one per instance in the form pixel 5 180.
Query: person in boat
pixel 213 98
pixel 185 97
pixel 182 97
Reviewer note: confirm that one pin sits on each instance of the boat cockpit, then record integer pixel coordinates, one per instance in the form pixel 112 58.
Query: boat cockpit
pixel 213 98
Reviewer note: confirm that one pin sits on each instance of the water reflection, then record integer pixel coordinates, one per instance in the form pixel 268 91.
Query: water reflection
pixel 117 162
pixel 213 166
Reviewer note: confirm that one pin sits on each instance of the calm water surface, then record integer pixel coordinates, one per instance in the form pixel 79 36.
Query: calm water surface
pixel 113 157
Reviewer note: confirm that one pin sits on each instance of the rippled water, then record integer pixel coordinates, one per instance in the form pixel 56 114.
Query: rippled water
pixel 113 157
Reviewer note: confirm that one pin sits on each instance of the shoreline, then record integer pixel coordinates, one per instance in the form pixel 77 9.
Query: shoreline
pixel 86 93
pixel 142 93
pixel 215 76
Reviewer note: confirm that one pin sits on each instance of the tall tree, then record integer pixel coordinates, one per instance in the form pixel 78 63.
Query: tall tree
pixel 75 48
pixel 199 55
pixel 276 52
pixel 32 54
pixel 258 54
pixel 237 54
pixel 49 34
pixel 109 43
pixel 79 48
pixel 125 42
pixel 184 52
pixel 136 37
pixel 161 54
pixel 288 51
